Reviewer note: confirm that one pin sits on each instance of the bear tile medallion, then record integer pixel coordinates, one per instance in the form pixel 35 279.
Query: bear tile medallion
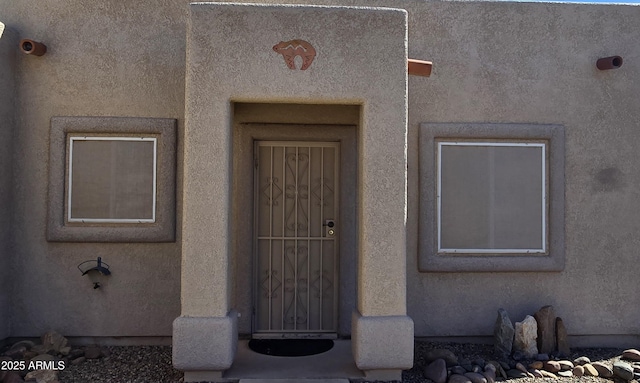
pixel 292 48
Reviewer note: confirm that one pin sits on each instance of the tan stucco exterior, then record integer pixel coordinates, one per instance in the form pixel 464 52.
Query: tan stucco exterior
pixel 494 62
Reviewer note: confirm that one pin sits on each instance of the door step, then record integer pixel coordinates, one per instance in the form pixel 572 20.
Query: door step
pixel 294 381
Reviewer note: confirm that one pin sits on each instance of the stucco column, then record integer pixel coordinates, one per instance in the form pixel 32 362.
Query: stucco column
pixel 382 333
pixel 205 336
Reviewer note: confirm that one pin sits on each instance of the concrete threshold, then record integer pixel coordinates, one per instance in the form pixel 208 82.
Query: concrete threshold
pixel 334 366
pixel 294 381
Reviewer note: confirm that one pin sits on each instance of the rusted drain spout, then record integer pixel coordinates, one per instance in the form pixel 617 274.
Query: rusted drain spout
pixel 613 62
pixel 31 47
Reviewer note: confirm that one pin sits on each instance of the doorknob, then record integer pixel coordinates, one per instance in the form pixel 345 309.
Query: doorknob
pixel 329 225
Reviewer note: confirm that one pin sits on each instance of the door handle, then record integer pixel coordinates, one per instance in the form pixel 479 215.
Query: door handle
pixel 329 228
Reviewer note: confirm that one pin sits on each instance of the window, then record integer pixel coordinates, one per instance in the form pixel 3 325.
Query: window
pixel 492 197
pixel 112 179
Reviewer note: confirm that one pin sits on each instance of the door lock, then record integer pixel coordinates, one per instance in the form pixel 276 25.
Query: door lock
pixel 330 229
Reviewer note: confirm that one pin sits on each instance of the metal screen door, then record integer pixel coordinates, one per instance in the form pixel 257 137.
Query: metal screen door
pixel 296 230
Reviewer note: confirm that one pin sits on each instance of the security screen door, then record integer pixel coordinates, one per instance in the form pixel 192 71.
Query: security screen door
pixel 296 230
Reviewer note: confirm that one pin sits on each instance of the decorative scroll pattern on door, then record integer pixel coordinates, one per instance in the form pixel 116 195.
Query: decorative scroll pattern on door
pixel 296 260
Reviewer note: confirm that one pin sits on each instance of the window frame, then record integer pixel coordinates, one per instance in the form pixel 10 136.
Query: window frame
pixel 64 130
pixel 430 257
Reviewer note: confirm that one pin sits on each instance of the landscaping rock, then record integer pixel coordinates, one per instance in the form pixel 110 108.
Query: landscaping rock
pixel 604 371
pixel 456 378
pixel 536 373
pixel 45 358
pixel 79 360
pixel 30 355
pixel 40 349
pixel 623 370
pixel 16 352
pixel 503 333
pixel 92 352
pixel 537 365
pixel 521 367
pixel 590 370
pixel 490 376
pixel 581 361
pixel 562 339
pixel 578 371
pixel 458 370
pixel 548 374
pixel 565 365
pixel 439 353
pixel 542 357
pixel 24 343
pixel 64 351
pixel 475 377
pixel 54 341
pixel 546 319
pixel 552 366
pixel 12 377
pixel 513 373
pixel 42 376
pixel 631 354
pixel 526 333
pixel 436 371
pixel 76 353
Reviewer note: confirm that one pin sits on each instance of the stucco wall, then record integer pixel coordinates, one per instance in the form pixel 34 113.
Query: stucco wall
pixel 110 58
pixel 7 95
pixel 493 62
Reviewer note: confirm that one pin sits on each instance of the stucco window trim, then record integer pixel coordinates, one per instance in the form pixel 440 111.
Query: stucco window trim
pixel 430 259
pixel 162 229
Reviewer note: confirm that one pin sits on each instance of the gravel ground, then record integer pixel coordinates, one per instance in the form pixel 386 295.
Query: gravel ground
pixel 152 364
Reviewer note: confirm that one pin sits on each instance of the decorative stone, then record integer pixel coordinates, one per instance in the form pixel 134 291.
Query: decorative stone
pixel 503 333
pixel 45 358
pixel 552 366
pixel 578 371
pixel 64 351
pixel 604 371
pixel 526 333
pixel 490 367
pixel 440 353
pixel 490 376
pixel 548 374
pixel 505 365
pixel 30 355
pixel 518 355
pixel 54 341
pixel 565 365
pixel 521 367
pixel 623 370
pixel 42 376
pixel 542 357
pixel 513 373
pixel 92 352
pixel 76 353
pixel 26 343
pixel 537 365
pixel 40 349
pixel 458 370
pixel 566 374
pixel 480 362
pixel 536 373
pixel 546 319
pixel 456 378
pixel 631 354
pixel 436 371
pixel 581 361
pixel 477 369
pixel 16 352
pixel 12 377
pixel 562 338
pixel 475 377
pixel 79 360
pixel 590 370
